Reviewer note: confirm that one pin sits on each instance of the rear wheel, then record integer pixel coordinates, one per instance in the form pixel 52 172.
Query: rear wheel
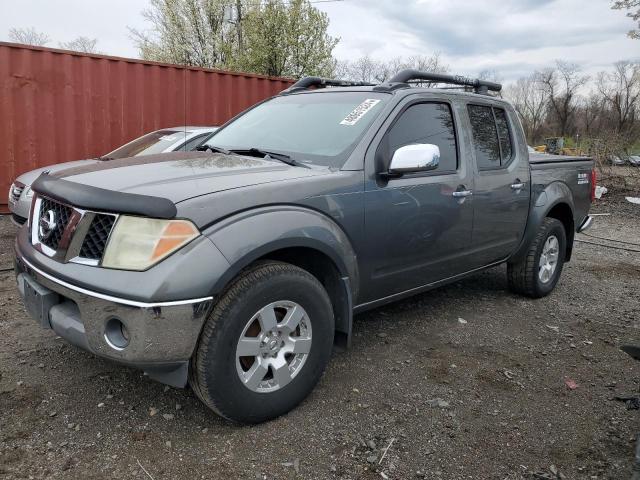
pixel 538 272
pixel 265 345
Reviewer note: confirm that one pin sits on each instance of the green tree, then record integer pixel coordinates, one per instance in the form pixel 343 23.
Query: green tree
pixel 273 37
pixel 287 39
pixel 201 33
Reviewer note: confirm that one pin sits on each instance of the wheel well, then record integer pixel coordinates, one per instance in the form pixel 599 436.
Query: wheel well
pixel 324 269
pixel 564 214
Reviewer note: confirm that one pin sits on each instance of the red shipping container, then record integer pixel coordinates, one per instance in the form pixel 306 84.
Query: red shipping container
pixel 57 105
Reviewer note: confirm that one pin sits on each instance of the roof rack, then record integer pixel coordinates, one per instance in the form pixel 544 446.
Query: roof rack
pixel 319 82
pixel 402 79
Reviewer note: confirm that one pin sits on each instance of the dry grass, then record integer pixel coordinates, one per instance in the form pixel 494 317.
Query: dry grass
pixel 619 177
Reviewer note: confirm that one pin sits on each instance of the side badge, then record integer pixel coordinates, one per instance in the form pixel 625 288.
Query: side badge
pixel 583 178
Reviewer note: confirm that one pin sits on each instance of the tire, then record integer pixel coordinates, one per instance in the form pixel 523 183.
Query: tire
pixel 525 277
pixel 216 367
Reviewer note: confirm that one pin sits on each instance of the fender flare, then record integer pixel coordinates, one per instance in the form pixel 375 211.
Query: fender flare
pixel 249 235
pixel 545 200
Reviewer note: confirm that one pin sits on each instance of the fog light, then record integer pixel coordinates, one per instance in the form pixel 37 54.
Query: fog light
pixel 116 334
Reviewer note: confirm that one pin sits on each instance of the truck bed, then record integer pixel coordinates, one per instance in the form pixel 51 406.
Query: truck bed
pixel 573 171
pixel 545 158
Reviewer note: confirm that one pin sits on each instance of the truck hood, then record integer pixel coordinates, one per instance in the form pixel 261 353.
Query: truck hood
pixel 179 176
pixel 29 177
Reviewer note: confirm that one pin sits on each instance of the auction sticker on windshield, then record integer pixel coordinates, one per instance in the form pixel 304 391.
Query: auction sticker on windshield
pixel 360 111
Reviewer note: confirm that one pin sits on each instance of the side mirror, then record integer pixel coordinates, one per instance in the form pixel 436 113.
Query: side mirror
pixel 420 157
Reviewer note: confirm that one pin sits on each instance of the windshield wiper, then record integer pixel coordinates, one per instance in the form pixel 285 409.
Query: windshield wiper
pixel 204 148
pixel 275 155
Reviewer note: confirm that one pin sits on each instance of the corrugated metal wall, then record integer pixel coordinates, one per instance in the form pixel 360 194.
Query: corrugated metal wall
pixel 57 106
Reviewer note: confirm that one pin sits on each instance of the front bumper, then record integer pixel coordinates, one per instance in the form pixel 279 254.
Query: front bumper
pixel 19 209
pixel 17 220
pixel 160 336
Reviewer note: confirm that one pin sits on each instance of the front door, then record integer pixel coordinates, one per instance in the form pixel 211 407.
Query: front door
pixel 418 230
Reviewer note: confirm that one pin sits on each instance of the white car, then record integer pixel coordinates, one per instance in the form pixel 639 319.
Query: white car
pixel 160 141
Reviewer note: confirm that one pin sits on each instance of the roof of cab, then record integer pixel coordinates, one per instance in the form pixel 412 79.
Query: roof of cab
pixel 401 91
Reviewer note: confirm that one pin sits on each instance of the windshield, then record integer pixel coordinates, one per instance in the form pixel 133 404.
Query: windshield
pixel 311 128
pixel 154 142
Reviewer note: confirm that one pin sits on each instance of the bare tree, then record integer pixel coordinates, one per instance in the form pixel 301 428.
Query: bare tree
pixel 561 85
pixel 424 63
pixel 529 98
pixel 367 69
pixel 28 36
pixel 81 44
pixel 621 91
pixel 607 117
pixel 490 75
pixel 591 114
pixel 634 13
pixel 388 69
pixel 364 69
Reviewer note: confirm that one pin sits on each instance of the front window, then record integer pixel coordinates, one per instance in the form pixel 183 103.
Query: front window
pixel 321 128
pixel 422 123
pixel 154 142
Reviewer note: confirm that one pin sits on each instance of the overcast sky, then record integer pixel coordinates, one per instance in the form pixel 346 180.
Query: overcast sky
pixel 512 37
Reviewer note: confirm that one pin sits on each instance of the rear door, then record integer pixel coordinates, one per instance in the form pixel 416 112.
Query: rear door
pixel 502 184
pixel 418 232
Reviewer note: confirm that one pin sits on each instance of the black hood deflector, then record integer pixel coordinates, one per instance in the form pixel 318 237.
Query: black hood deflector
pixel 101 200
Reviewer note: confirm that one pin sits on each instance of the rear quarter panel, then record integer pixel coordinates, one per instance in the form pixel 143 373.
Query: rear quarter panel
pixel 575 175
pixel 554 182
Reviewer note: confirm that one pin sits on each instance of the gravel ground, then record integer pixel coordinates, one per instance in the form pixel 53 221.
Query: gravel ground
pixel 465 382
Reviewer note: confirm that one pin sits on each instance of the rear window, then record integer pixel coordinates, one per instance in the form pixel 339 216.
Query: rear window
pixel 491 136
pixel 504 136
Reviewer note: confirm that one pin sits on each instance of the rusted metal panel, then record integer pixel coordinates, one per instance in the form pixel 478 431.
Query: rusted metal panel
pixel 57 105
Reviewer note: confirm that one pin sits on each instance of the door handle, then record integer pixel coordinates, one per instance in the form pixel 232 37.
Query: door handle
pixel 462 193
pixel 518 185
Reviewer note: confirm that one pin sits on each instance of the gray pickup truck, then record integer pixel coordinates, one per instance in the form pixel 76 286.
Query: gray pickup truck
pixel 237 269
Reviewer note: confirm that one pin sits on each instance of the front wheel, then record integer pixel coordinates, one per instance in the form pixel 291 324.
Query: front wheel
pixel 538 272
pixel 265 344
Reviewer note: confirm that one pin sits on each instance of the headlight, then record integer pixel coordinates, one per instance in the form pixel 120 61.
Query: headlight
pixel 137 243
pixel 28 193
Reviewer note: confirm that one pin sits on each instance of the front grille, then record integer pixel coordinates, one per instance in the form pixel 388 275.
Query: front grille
pixel 57 217
pixel 96 239
pixel 16 191
pixel 70 234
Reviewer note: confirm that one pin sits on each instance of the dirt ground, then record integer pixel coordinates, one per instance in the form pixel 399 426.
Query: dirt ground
pixel 464 382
